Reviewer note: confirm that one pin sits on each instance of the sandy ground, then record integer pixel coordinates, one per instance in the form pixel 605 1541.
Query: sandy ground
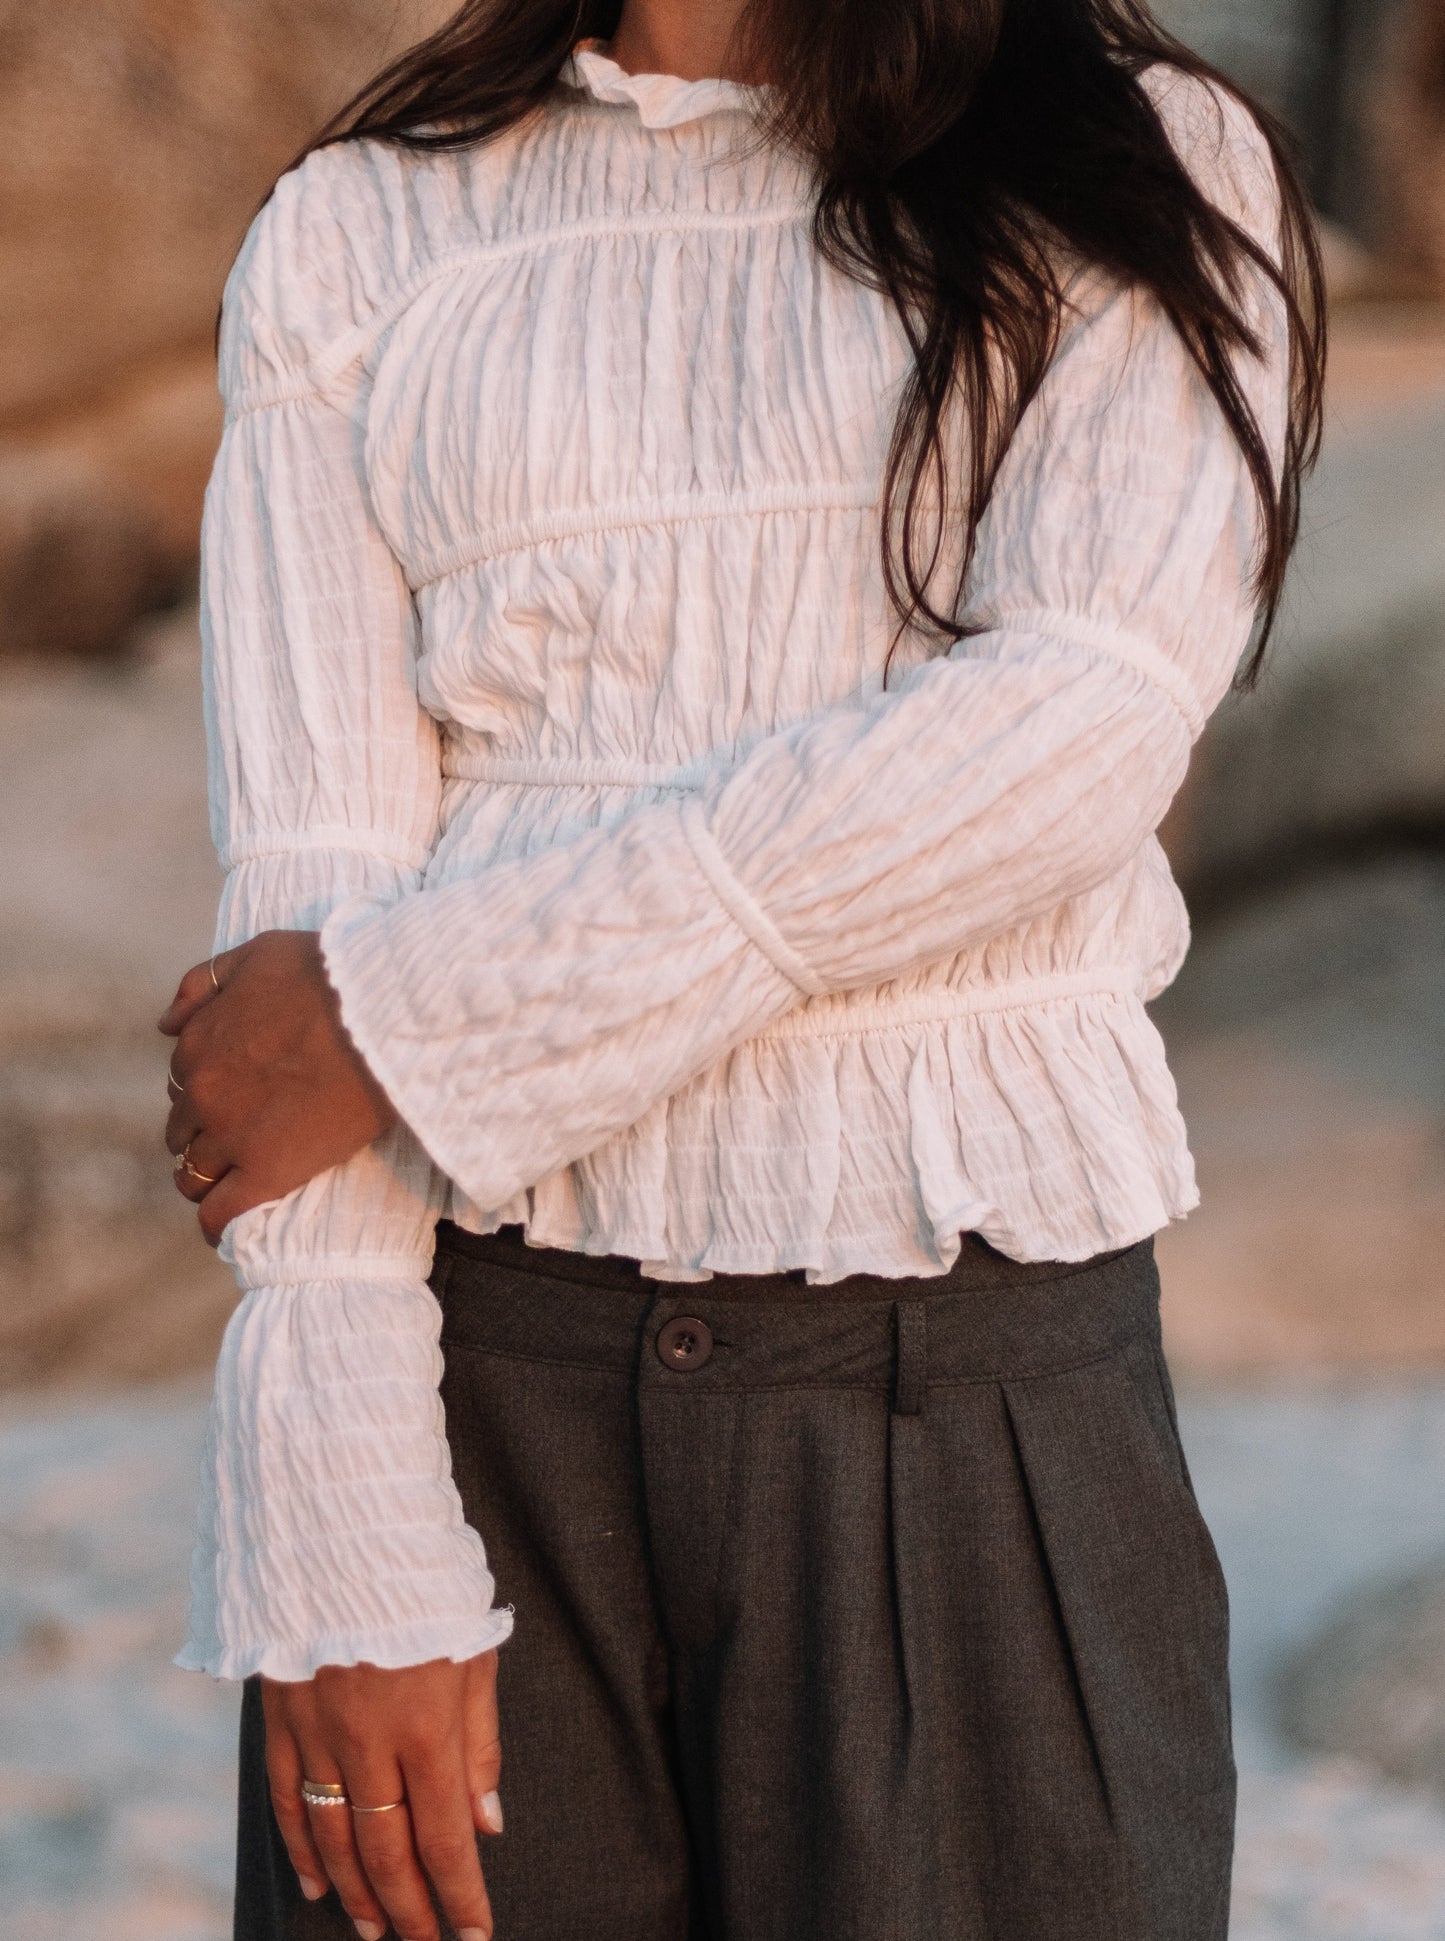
pixel 116 1780
pixel 116 1790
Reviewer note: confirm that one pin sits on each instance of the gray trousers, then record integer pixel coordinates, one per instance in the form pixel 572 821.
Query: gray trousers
pixel 875 1612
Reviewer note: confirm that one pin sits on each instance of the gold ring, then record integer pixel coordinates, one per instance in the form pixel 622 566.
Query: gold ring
pixel 390 1807
pixel 173 1084
pixel 215 981
pixel 318 1792
pixel 183 1164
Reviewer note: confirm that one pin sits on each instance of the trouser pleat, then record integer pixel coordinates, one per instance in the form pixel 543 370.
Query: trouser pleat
pixel 1143 1612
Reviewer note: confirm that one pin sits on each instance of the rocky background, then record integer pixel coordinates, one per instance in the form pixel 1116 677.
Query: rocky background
pixel 140 136
pixel 1305 1301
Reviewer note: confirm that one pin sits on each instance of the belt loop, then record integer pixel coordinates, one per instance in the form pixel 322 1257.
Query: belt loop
pixel 910 1365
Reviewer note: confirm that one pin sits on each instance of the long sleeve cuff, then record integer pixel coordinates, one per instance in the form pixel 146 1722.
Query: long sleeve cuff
pixel 330 1531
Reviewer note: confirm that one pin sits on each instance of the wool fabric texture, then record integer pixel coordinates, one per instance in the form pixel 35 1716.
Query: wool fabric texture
pixel 545 636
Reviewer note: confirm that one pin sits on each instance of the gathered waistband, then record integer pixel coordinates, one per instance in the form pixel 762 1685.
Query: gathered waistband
pixel 566 771
pixel 837 1014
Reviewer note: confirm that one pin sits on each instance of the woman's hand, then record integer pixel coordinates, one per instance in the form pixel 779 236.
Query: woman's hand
pixel 267 1089
pixel 428 1735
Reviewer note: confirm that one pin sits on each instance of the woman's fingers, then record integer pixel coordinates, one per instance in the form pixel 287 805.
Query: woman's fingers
pixel 201 981
pixel 234 1194
pixel 193 990
pixel 283 1769
pixel 182 1123
pixel 200 1165
pixel 483 1743
pixel 445 1839
pixel 186 1002
pixel 331 1830
pixel 389 1847
pixel 332 1834
pixel 186 1137
pixel 416 1752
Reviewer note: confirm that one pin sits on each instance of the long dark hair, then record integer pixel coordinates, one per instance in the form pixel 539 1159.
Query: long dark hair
pixel 957 146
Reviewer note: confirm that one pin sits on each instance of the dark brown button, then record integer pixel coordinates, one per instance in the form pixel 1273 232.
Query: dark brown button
pixel 684 1343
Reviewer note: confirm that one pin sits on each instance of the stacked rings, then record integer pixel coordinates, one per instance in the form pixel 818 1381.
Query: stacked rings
pixel 316 1792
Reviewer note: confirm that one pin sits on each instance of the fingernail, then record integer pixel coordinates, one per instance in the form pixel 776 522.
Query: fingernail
pixel 312 1889
pixel 473 1934
pixel 491 1806
pixel 370 1930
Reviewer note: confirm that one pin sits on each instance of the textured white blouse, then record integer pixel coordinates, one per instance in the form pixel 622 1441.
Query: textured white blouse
pixel 545 634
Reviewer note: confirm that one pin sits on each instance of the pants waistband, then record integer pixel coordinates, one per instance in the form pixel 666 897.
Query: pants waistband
pixel 989 1318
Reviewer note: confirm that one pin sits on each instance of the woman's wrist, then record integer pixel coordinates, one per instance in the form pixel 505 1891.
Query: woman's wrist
pixel 268 1089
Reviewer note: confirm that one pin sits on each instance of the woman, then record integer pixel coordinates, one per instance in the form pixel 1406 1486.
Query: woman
pixel 726 532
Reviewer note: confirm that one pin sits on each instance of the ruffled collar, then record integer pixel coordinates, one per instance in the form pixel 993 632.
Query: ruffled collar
pixel 661 100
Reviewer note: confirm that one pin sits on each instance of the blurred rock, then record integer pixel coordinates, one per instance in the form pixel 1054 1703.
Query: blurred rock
pixel 1384 357
pixel 102 1274
pixel 1361 84
pixel 1351 272
pixel 1343 742
pixel 1307 1035
pixel 1270 47
pixel 140 137
pixel 1372 1685
pixel 78 564
pixel 99 508
pixel 107 891
pixel 1408 114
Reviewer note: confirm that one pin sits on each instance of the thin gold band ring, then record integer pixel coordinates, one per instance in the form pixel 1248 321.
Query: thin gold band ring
pixel 177 1090
pixel 390 1807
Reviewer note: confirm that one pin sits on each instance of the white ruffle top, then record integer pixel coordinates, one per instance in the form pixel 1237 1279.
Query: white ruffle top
pixel 545 636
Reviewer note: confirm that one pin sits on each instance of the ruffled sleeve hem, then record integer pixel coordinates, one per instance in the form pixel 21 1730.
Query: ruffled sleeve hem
pixel 330 1530
pixel 416 1643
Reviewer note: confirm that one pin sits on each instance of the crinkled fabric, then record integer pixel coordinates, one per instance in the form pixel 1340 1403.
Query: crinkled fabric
pixel 546 645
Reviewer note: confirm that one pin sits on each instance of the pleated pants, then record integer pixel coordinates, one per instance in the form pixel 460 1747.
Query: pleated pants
pixel 874 1612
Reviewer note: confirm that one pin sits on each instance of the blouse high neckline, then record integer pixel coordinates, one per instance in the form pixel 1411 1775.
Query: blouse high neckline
pixel 660 100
